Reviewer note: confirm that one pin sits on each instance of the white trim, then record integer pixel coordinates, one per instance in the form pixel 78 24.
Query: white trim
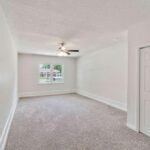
pixel 3 138
pixel 45 93
pixel 132 127
pixel 107 101
pixel 137 126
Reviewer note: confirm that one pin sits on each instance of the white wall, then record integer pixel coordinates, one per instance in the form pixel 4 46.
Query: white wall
pixel 103 75
pixel 8 78
pixel 138 37
pixel 29 70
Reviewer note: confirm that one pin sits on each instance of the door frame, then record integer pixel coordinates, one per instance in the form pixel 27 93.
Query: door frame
pixel 139 91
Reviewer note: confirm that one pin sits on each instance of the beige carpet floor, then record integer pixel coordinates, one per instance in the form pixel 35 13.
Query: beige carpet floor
pixel 71 122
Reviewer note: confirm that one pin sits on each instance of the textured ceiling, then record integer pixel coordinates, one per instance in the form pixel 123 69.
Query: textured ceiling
pixel 39 25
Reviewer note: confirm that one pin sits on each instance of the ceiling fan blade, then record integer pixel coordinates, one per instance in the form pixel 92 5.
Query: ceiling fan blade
pixel 68 53
pixel 73 50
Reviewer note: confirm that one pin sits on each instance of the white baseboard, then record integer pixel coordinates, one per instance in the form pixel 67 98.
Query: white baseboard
pixel 46 93
pixel 132 127
pixel 107 101
pixel 6 129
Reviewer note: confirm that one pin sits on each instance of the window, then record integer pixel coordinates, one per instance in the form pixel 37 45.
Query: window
pixel 57 73
pixel 45 73
pixel 51 73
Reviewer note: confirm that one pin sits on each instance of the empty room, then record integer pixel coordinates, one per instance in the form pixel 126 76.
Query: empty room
pixel 74 75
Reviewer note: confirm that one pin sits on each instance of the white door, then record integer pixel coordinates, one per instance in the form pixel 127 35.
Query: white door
pixel 145 91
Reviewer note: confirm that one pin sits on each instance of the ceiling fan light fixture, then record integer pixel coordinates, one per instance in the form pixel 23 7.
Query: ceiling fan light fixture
pixel 62 54
pixel 63 48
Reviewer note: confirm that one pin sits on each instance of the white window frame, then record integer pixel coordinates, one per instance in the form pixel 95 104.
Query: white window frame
pixel 51 74
pixel 62 74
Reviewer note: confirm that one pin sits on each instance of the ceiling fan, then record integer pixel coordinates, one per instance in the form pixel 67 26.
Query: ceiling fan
pixel 64 51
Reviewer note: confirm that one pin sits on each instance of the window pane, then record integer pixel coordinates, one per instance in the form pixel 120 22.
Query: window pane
pixel 58 73
pixel 45 73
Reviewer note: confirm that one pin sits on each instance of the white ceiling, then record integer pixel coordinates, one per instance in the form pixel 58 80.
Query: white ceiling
pixel 38 26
